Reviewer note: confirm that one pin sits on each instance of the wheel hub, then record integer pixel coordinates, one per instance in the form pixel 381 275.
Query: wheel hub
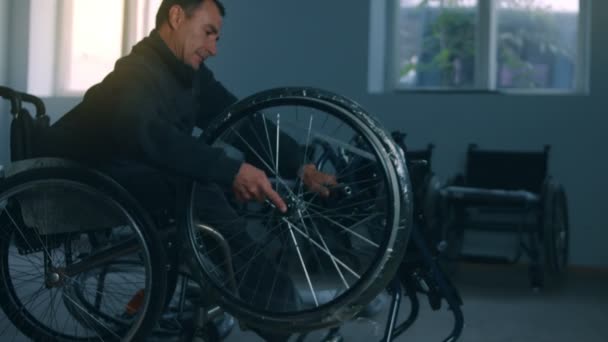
pixel 54 278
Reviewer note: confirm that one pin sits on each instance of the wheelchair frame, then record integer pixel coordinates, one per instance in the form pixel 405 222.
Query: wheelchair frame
pixel 515 184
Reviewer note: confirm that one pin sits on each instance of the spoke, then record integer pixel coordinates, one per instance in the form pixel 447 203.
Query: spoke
pixel 305 153
pixel 330 138
pixel 93 318
pixel 26 241
pixel 264 162
pixel 350 229
pixel 333 259
pixel 111 293
pixel 24 238
pixel 329 254
pixel 254 131
pixel 231 238
pixel 350 205
pixel 346 146
pixel 276 164
pixel 276 276
pixel 350 171
pixel 257 285
pixel 333 133
pixel 295 242
pixel 248 246
pixel 267 139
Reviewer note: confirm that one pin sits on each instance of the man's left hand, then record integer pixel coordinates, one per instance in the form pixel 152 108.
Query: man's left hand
pixel 316 180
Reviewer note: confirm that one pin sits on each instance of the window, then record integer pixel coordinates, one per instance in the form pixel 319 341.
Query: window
pixel 436 43
pixel 87 38
pixel 91 41
pixel 524 45
pixel 537 44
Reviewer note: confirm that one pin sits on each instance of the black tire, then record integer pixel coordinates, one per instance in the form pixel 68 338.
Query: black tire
pixel 378 260
pixel 555 229
pixel 57 322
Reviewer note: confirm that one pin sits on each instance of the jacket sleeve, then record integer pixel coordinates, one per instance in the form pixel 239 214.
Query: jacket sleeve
pixel 151 137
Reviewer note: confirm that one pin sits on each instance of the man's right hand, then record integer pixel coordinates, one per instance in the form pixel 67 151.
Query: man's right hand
pixel 252 183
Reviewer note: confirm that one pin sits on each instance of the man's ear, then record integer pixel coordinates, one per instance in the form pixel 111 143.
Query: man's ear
pixel 176 16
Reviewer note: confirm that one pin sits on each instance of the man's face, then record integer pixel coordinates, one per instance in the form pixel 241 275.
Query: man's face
pixel 199 33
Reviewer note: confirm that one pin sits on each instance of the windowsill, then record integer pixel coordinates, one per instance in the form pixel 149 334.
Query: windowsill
pixel 508 92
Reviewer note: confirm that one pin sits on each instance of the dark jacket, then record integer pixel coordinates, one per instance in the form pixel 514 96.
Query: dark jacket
pixel 145 110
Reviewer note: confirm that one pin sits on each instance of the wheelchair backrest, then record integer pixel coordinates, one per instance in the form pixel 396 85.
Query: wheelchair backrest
pixel 25 130
pixel 506 170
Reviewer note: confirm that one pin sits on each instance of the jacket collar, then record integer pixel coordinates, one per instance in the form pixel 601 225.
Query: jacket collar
pixel 182 71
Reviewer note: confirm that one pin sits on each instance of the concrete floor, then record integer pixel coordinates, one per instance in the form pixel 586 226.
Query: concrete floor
pixel 499 306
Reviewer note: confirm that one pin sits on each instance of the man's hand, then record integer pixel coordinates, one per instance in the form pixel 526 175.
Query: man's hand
pixel 251 183
pixel 316 180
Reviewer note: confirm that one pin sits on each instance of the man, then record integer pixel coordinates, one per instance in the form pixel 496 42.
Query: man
pixel 144 111
pixel 136 125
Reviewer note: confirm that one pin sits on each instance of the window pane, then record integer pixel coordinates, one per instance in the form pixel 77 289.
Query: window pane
pixel 436 43
pixel 93 35
pixel 537 44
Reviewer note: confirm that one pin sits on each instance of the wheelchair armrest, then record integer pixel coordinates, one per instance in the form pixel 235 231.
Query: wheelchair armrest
pixel 480 196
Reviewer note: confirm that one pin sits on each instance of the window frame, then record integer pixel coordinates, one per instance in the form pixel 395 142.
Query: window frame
pixel 485 56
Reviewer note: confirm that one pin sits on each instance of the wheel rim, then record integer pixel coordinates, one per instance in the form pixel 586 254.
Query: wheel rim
pixel 555 228
pixel 560 233
pixel 42 292
pixel 329 250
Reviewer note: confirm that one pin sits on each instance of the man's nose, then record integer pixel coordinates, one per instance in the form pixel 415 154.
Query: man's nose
pixel 212 48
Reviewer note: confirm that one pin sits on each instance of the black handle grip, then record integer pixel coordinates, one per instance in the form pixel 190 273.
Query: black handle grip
pixel 37 102
pixel 12 96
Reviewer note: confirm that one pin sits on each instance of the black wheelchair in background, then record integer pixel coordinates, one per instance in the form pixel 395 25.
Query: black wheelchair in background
pixel 80 259
pixel 508 198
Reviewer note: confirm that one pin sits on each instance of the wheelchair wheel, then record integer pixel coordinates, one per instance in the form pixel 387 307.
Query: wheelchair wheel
pixel 79 260
pixel 327 257
pixel 555 228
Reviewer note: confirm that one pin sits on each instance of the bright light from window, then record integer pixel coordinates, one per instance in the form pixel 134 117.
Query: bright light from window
pixel 146 17
pixel 94 41
pixel 438 3
pixel 442 44
pixel 545 5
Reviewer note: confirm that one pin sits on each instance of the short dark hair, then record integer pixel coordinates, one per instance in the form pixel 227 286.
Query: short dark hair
pixel 187 5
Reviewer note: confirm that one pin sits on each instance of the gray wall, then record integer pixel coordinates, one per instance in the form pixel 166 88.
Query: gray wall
pixel 269 43
pixel 3 81
pixel 322 43
pixel 15 19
